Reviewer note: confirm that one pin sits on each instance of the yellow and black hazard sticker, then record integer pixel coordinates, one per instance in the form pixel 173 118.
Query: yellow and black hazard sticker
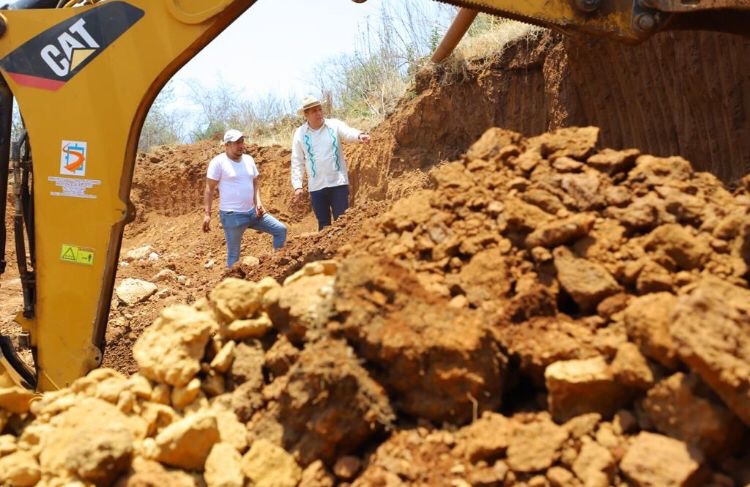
pixel 77 255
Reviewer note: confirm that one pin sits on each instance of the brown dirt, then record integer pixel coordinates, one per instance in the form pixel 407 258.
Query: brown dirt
pixel 534 87
pixel 520 254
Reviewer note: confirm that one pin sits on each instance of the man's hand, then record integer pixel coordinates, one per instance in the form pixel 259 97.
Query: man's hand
pixel 299 196
pixel 206 223
pixel 259 211
pixel 364 138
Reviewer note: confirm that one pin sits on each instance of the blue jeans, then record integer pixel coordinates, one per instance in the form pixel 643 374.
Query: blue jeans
pixel 236 222
pixel 329 200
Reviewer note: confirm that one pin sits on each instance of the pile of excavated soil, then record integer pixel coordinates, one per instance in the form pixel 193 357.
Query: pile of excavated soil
pixel 532 86
pixel 166 248
pixel 671 94
pixel 544 314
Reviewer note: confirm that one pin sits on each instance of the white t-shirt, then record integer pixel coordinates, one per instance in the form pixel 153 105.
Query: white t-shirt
pixel 236 182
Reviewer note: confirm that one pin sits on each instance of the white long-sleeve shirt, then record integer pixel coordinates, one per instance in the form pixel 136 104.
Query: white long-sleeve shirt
pixel 320 153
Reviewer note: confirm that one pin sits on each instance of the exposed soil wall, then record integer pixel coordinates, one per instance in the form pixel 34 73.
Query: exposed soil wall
pixel 685 93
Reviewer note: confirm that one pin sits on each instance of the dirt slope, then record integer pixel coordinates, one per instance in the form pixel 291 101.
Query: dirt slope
pixel 538 312
pixel 680 93
pixel 544 314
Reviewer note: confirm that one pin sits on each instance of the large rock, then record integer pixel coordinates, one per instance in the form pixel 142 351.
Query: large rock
pixel 438 362
pixel 187 443
pixel 678 248
pixel 561 232
pixel 256 327
pixel 302 306
pixel 594 465
pixel 19 469
pixel 676 408
pixel 587 282
pixel 132 291
pixel 224 467
pixel 647 319
pixel 536 445
pixel 577 387
pixel 658 461
pixel 486 439
pixel 268 465
pixel 630 367
pixel 575 142
pixel 658 171
pixel 138 253
pixel 485 277
pixel 15 400
pixel 328 405
pixel 611 161
pixel 170 350
pixel 235 299
pixel 541 341
pixel 91 441
pixel 712 333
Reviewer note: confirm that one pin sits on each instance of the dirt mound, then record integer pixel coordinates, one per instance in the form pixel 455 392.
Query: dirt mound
pixel 538 312
pixel 545 313
pixel 672 94
pixel 165 244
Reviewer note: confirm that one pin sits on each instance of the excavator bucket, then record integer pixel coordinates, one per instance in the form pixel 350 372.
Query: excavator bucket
pixel 13 372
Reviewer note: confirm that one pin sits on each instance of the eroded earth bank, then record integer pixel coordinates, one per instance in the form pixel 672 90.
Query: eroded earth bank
pixel 544 314
pixel 538 311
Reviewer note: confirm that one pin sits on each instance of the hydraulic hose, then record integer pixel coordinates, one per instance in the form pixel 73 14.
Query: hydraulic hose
pixel 6 115
pixel 23 207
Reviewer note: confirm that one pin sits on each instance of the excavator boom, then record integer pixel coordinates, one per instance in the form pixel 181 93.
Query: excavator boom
pixel 625 20
pixel 84 79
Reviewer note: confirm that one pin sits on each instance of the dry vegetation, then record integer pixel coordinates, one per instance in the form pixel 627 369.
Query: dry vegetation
pixel 362 88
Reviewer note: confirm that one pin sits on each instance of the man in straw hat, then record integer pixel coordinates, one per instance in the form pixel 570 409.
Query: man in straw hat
pixel 316 147
pixel 236 176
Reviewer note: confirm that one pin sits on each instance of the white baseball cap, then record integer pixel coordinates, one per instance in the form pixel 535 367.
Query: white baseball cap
pixel 232 135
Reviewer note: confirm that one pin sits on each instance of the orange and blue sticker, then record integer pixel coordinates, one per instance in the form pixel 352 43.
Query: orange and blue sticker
pixel 52 58
pixel 73 158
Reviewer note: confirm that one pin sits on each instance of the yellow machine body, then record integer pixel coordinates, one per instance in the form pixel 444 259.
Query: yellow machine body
pixel 84 79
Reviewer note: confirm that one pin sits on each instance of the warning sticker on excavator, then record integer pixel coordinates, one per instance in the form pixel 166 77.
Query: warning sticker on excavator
pixel 73 158
pixel 77 255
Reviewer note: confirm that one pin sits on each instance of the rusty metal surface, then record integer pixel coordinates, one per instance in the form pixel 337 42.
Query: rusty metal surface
pixel 456 31
pixel 681 6
pixel 613 19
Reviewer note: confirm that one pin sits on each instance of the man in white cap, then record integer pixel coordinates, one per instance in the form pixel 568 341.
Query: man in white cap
pixel 316 147
pixel 236 176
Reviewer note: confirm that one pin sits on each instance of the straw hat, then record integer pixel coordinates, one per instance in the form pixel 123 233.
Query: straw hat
pixel 309 102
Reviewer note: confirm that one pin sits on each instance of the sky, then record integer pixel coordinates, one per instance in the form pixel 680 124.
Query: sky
pixel 282 42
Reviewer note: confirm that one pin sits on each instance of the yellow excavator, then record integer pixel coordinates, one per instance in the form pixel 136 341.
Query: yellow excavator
pixel 84 74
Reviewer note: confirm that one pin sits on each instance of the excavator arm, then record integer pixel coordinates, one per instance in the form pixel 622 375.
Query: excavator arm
pixel 84 79
pixel 629 21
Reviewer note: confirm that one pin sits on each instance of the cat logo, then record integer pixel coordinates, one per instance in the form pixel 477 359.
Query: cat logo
pixel 72 48
pixel 52 58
